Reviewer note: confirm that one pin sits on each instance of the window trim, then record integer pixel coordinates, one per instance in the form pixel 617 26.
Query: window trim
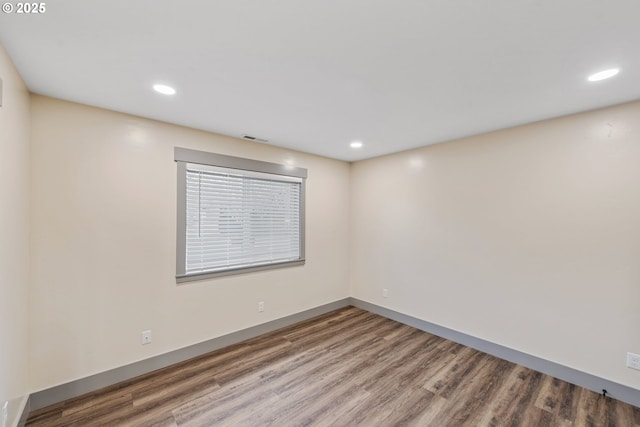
pixel 182 156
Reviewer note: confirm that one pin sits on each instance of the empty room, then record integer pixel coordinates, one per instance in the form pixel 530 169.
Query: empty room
pixel 320 213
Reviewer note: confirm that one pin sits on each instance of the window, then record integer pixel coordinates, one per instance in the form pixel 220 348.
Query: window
pixel 237 215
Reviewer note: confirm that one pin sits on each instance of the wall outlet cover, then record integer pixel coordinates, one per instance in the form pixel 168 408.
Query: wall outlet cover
pixel 145 338
pixel 633 361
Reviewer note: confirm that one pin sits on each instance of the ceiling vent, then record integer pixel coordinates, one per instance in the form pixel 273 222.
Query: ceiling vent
pixel 253 138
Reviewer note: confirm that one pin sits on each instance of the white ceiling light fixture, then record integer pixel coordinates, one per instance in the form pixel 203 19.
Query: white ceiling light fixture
pixel 356 144
pixel 602 75
pixel 164 89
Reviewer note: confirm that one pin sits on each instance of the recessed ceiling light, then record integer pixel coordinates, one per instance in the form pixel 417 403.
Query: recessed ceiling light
pixel 164 89
pixel 605 74
pixel 356 144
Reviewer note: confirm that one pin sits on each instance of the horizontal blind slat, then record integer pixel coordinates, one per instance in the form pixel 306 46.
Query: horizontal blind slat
pixel 235 220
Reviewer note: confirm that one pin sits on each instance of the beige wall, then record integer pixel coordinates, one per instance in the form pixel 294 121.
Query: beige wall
pixel 14 233
pixel 103 243
pixel 527 237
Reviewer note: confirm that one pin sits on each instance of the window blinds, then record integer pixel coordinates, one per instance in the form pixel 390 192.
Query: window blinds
pixel 238 219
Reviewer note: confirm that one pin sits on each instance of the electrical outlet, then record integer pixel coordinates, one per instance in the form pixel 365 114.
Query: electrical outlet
pixel 261 306
pixel 385 292
pixel 633 361
pixel 145 338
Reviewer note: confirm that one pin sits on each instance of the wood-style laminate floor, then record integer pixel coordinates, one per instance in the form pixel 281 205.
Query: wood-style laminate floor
pixel 345 368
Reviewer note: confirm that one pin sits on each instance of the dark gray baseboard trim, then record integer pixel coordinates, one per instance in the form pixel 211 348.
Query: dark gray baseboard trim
pixel 76 388
pixel 25 413
pixel 615 390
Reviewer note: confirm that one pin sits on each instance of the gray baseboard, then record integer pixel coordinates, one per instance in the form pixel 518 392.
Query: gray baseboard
pixel 79 387
pixel 22 420
pixel 615 390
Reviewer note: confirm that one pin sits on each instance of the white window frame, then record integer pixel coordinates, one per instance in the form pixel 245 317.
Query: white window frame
pixel 183 157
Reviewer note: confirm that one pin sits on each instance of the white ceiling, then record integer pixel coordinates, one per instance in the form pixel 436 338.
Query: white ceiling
pixel 313 75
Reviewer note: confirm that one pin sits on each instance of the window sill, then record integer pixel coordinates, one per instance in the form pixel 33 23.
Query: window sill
pixel 234 271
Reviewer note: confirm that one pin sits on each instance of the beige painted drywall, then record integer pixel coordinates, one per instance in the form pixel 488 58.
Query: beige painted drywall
pixel 14 232
pixel 527 237
pixel 103 243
